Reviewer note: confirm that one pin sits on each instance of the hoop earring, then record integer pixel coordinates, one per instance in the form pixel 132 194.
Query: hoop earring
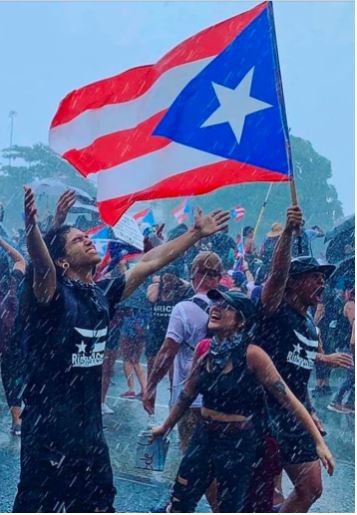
pixel 65 267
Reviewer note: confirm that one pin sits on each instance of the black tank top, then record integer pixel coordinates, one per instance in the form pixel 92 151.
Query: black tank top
pixel 234 392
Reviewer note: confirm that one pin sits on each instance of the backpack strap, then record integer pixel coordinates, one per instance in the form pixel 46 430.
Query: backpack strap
pixel 202 304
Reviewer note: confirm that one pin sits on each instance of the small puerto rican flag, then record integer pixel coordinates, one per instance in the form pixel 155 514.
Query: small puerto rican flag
pixel 145 216
pixel 182 211
pixel 238 213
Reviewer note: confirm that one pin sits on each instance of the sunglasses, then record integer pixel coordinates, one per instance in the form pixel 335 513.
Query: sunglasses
pixel 223 304
pixel 207 272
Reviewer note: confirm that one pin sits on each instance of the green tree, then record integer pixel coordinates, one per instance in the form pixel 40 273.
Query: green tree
pixel 317 197
pixel 28 164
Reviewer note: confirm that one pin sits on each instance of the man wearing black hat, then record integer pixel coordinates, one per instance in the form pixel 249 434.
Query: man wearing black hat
pixel 290 337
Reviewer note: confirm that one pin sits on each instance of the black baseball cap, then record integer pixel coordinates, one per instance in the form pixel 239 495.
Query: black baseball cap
pixel 236 299
pixel 303 264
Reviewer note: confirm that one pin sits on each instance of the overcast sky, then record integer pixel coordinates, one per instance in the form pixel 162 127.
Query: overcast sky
pixel 49 49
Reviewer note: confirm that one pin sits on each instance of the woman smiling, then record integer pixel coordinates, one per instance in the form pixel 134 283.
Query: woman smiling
pixel 230 375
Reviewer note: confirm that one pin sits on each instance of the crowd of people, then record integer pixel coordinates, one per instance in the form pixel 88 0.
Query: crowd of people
pixel 237 330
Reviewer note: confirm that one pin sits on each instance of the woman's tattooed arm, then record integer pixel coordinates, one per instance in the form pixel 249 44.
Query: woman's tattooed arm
pixel 278 388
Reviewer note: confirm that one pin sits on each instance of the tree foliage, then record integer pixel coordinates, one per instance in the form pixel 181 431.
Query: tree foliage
pixel 28 164
pixel 313 172
pixel 317 197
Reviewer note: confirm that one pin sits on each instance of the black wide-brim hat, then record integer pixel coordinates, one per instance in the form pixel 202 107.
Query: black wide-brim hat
pixel 305 264
pixel 236 299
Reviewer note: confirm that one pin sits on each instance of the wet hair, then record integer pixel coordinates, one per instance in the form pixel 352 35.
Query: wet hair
pixel 207 259
pixel 56 239
pixel 249 323
pixel 247 230
pixel 261 274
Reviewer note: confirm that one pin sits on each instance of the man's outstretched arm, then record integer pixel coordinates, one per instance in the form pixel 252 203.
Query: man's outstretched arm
pixel 162 255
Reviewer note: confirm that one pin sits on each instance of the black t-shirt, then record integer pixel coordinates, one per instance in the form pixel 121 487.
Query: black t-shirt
pixel 291 340
pixel 161 312
pixel 63 365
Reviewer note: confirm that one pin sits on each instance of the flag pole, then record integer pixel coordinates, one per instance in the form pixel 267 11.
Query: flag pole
pixel 262 209
pixel 293 193
pixel 294 200
pixel 293 190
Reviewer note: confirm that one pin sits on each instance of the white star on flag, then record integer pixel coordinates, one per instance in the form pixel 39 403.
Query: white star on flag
pixel 235 105
pixel 81 347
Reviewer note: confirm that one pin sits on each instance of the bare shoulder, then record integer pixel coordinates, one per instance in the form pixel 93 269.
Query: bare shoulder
pixel 255 356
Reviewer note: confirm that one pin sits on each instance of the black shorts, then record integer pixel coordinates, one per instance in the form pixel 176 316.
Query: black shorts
pixel 296 445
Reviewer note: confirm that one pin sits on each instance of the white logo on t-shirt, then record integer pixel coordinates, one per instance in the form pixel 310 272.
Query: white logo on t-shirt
pixel 89 355
pixel 295 357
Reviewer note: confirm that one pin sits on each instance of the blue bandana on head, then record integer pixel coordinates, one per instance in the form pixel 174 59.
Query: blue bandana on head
pixel 221 351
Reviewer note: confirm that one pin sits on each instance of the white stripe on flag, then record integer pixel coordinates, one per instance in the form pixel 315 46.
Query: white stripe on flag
pixel 145 171
pixel 94 123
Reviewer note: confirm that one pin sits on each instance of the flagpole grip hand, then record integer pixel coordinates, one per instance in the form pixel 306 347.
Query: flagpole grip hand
pixel 206 225
pixel 294 218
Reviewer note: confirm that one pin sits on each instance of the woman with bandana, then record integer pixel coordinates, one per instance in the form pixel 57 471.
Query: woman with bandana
pixel 230 375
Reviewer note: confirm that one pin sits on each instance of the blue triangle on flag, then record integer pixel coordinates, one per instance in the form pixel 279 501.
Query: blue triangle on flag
pixel 263 139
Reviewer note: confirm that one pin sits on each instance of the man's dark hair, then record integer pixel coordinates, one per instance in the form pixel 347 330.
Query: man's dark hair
pixel 55 240
pixel 247 230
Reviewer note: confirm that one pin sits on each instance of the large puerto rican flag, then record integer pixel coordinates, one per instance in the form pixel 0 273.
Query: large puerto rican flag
pixel 210 113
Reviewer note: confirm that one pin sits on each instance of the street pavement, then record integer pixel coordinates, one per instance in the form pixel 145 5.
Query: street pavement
pixel 142 491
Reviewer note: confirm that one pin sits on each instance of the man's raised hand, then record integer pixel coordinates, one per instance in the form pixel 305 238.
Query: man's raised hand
pixel 64 204
pixel 30 208
pixel 206 225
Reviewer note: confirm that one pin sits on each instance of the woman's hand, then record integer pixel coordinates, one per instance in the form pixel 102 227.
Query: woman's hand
pixel 158 431
pixel 326 457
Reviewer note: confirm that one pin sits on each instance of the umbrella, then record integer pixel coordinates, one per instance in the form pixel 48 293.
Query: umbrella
pixel 345 272
pixel 340 238
pixel 80 207
pixel 347 225
pixel 54 187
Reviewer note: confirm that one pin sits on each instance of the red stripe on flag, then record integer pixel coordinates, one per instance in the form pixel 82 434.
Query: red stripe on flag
pixel 95 229
pixel 118 147
pixel 136 81
pixel 200 180
pixel 141 214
